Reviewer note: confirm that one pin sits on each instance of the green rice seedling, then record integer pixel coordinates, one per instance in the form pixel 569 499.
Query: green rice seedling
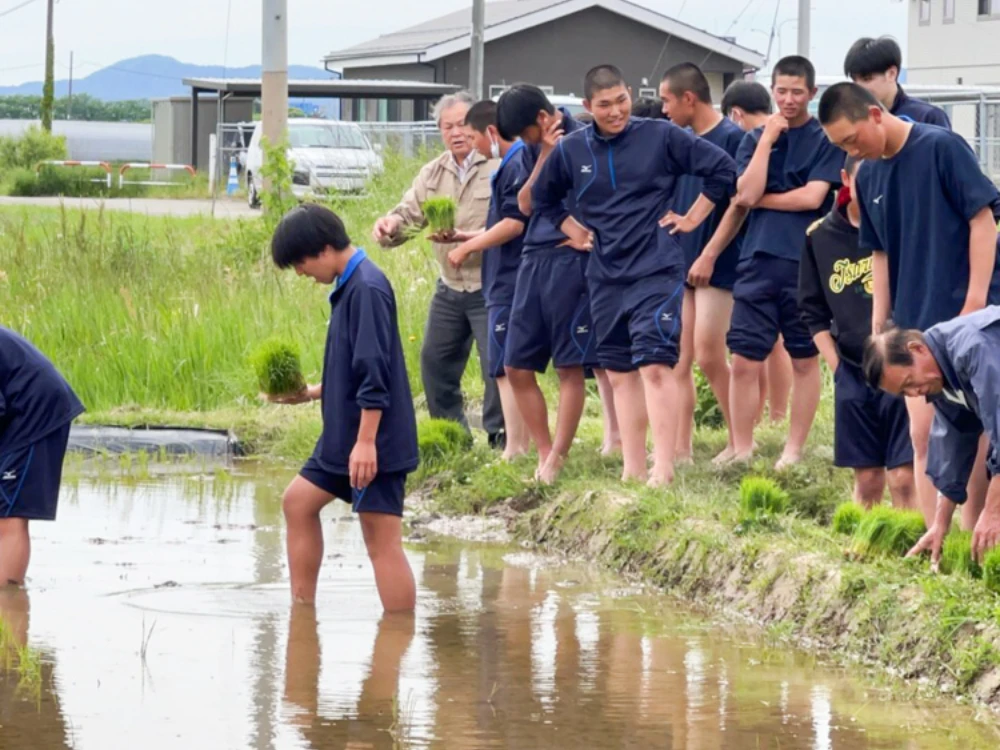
pixel 991 570
pixel 440 213
pixel 956 555
pixel 760 496
pixel 278 367
pixel 888 531
pixel 439 438
pixel 847 518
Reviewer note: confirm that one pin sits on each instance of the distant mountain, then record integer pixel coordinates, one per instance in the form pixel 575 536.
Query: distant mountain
pixel 151 77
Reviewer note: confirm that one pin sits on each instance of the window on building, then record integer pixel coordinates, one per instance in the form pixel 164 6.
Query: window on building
pixel 495 91
pixel 925 12
pixel 988 7
pixel 949 11
pixel 649 94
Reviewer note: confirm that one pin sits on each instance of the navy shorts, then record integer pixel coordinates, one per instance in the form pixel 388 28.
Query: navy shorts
pixel 765 303
pixel 724 273
pixel 638 323
pixel 30 478
pixel 496 348
pixel 384 495
pixel 550 317
pixel 871 428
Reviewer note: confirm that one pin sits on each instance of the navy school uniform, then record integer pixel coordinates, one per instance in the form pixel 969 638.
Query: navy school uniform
pixel 623 185
pixel 766 290
pixel 916 207
pixel 917 110
pixel 500 264
pixel 967 349
pixel 36 408
pixel 727 135
pixel 364 368
pixel 871 427
pixel 550 316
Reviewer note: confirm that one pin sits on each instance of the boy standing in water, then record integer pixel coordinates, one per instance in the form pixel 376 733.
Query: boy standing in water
pixel 36 409
pixel 369 440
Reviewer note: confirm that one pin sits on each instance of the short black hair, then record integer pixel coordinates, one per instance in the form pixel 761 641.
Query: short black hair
pixel 651 108
pixel 891 347
pixel 518 108
pixel 750 96
pixel 851 163
pixel 481 115
pixel 795 65
pixel 868 57
pixel 687 76
pixel 601 78
pixel 846 99
pixel 305 232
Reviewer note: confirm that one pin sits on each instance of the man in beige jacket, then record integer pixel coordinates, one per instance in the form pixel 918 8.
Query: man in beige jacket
pixel 458 312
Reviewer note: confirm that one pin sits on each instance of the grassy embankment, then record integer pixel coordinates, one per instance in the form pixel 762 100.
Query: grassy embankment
pixel 152 321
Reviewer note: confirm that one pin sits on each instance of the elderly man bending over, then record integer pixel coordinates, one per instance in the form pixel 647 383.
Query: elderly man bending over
pixel 458 312
pixel 956 366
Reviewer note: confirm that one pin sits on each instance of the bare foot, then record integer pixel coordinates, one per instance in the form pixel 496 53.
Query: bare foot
pixel 787 460
pixel 549 473
pixel 684 460
pixel 611 447
pixel 739 458
pixel 725 457
pixel 638 477
pixel 510 453
pixel 661 477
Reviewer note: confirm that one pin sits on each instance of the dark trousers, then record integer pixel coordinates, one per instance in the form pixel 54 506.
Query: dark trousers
pixel 455 319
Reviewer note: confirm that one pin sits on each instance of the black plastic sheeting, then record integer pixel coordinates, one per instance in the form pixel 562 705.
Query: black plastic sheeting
pixel 174 441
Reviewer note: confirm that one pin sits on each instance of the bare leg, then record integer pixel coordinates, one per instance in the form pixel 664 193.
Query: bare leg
pixel 764 390
pixel 902 487
pixel 661 402
pixel 571 397
pixel 14 608
pixel 15 551
pixel 805 401
pixel 612 436
pixel 869 486
pixel 384 539
pixel 302 503
pixel 518 442
pixel 779 382
pixel 534 410
pixel 714 311
pixel 976 488
pixel 744 392
pixel 921 416
pixel 630 407
pixel 684 375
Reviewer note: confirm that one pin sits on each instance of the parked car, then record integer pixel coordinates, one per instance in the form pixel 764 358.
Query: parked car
pixel 326 155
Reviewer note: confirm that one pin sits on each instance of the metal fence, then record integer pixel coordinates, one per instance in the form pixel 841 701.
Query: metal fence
pixel 977 119
pixel 408 138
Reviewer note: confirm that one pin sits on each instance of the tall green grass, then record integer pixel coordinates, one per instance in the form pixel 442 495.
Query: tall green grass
pixel 163 312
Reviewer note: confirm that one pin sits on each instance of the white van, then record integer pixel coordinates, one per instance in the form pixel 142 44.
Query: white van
pixel 327 156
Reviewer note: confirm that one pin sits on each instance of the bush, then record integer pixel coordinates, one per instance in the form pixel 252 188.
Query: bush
pixel 21 182
pixel 956 555
pixel 26 150
pixel 761 497
pixel 888 531
pixel 706 408
pixel 439 438
pixel 991 570
pixel 847 518
pixel 278 367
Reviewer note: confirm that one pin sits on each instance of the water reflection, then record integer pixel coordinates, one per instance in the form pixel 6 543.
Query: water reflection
pixel 499 654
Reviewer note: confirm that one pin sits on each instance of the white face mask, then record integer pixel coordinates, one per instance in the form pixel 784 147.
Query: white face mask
pixel 494 148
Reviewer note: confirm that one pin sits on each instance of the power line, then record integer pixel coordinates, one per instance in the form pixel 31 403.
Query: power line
pixel 25 4
pixel 730 28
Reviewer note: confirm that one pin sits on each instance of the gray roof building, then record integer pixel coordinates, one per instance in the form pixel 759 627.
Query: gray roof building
pixel 551 43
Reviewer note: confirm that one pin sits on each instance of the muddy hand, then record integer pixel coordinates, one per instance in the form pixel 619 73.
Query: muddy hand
pixel 933 541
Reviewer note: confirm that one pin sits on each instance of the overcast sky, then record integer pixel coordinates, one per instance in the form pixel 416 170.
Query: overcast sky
pixel 101 32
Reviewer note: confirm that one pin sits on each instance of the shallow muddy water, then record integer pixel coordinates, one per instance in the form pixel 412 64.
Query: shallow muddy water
pixel 160 610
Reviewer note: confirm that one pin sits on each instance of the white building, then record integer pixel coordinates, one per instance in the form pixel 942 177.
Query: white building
pixel 955 42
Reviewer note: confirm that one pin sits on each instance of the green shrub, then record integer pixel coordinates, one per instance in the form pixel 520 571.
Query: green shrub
pixel 278 367
pixel 956 555
pixel 439 438
pixel 29 148
pixel 706 408
pixel 888 531
pixel 847 518
pixel 991 570
pixel 761 497
pixel 21 182
pixel 440 213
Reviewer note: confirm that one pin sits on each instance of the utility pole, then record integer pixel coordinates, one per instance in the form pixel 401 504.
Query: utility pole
pixel 69 101
pixel 805 10
pixel 48 89
pixel 477 52
pixel 274 64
